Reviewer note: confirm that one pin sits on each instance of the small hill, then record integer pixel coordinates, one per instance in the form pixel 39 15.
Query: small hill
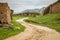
pixel 49 20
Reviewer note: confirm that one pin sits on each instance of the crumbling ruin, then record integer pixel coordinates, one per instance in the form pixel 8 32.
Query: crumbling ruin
pixel 5 14
pixel 33 14
pixel 53 8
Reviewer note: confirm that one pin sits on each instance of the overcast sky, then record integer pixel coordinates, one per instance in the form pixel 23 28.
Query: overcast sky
pixel 20 5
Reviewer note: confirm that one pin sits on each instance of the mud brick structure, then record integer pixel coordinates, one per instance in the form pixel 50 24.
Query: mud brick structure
pixel 5 14
pixel 30 14
pixel 53 8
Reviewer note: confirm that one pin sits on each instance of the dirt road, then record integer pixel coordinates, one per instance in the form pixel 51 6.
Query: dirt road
pixel 35 32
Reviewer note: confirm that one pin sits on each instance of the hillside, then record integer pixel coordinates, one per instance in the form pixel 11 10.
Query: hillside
pixel 49 20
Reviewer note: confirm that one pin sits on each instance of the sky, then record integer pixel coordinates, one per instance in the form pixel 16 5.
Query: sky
pixel 21 5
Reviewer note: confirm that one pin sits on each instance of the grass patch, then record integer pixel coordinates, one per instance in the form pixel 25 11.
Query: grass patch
pixel 49 20
pixel 5 33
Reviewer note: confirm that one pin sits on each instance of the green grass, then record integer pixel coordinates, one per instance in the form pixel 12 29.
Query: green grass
pixel 5 33
pixel 49 20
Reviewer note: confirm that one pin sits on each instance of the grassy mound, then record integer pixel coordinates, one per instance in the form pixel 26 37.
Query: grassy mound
pixel 49 20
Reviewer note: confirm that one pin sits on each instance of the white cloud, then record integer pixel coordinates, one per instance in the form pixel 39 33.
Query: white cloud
pixel 20 9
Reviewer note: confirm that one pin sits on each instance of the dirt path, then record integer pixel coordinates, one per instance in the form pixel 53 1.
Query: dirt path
pixel 35 32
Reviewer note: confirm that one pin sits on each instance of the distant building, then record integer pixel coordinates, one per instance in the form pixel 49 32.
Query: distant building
pixel 53 8
pixel 34 14
pixel 5 13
